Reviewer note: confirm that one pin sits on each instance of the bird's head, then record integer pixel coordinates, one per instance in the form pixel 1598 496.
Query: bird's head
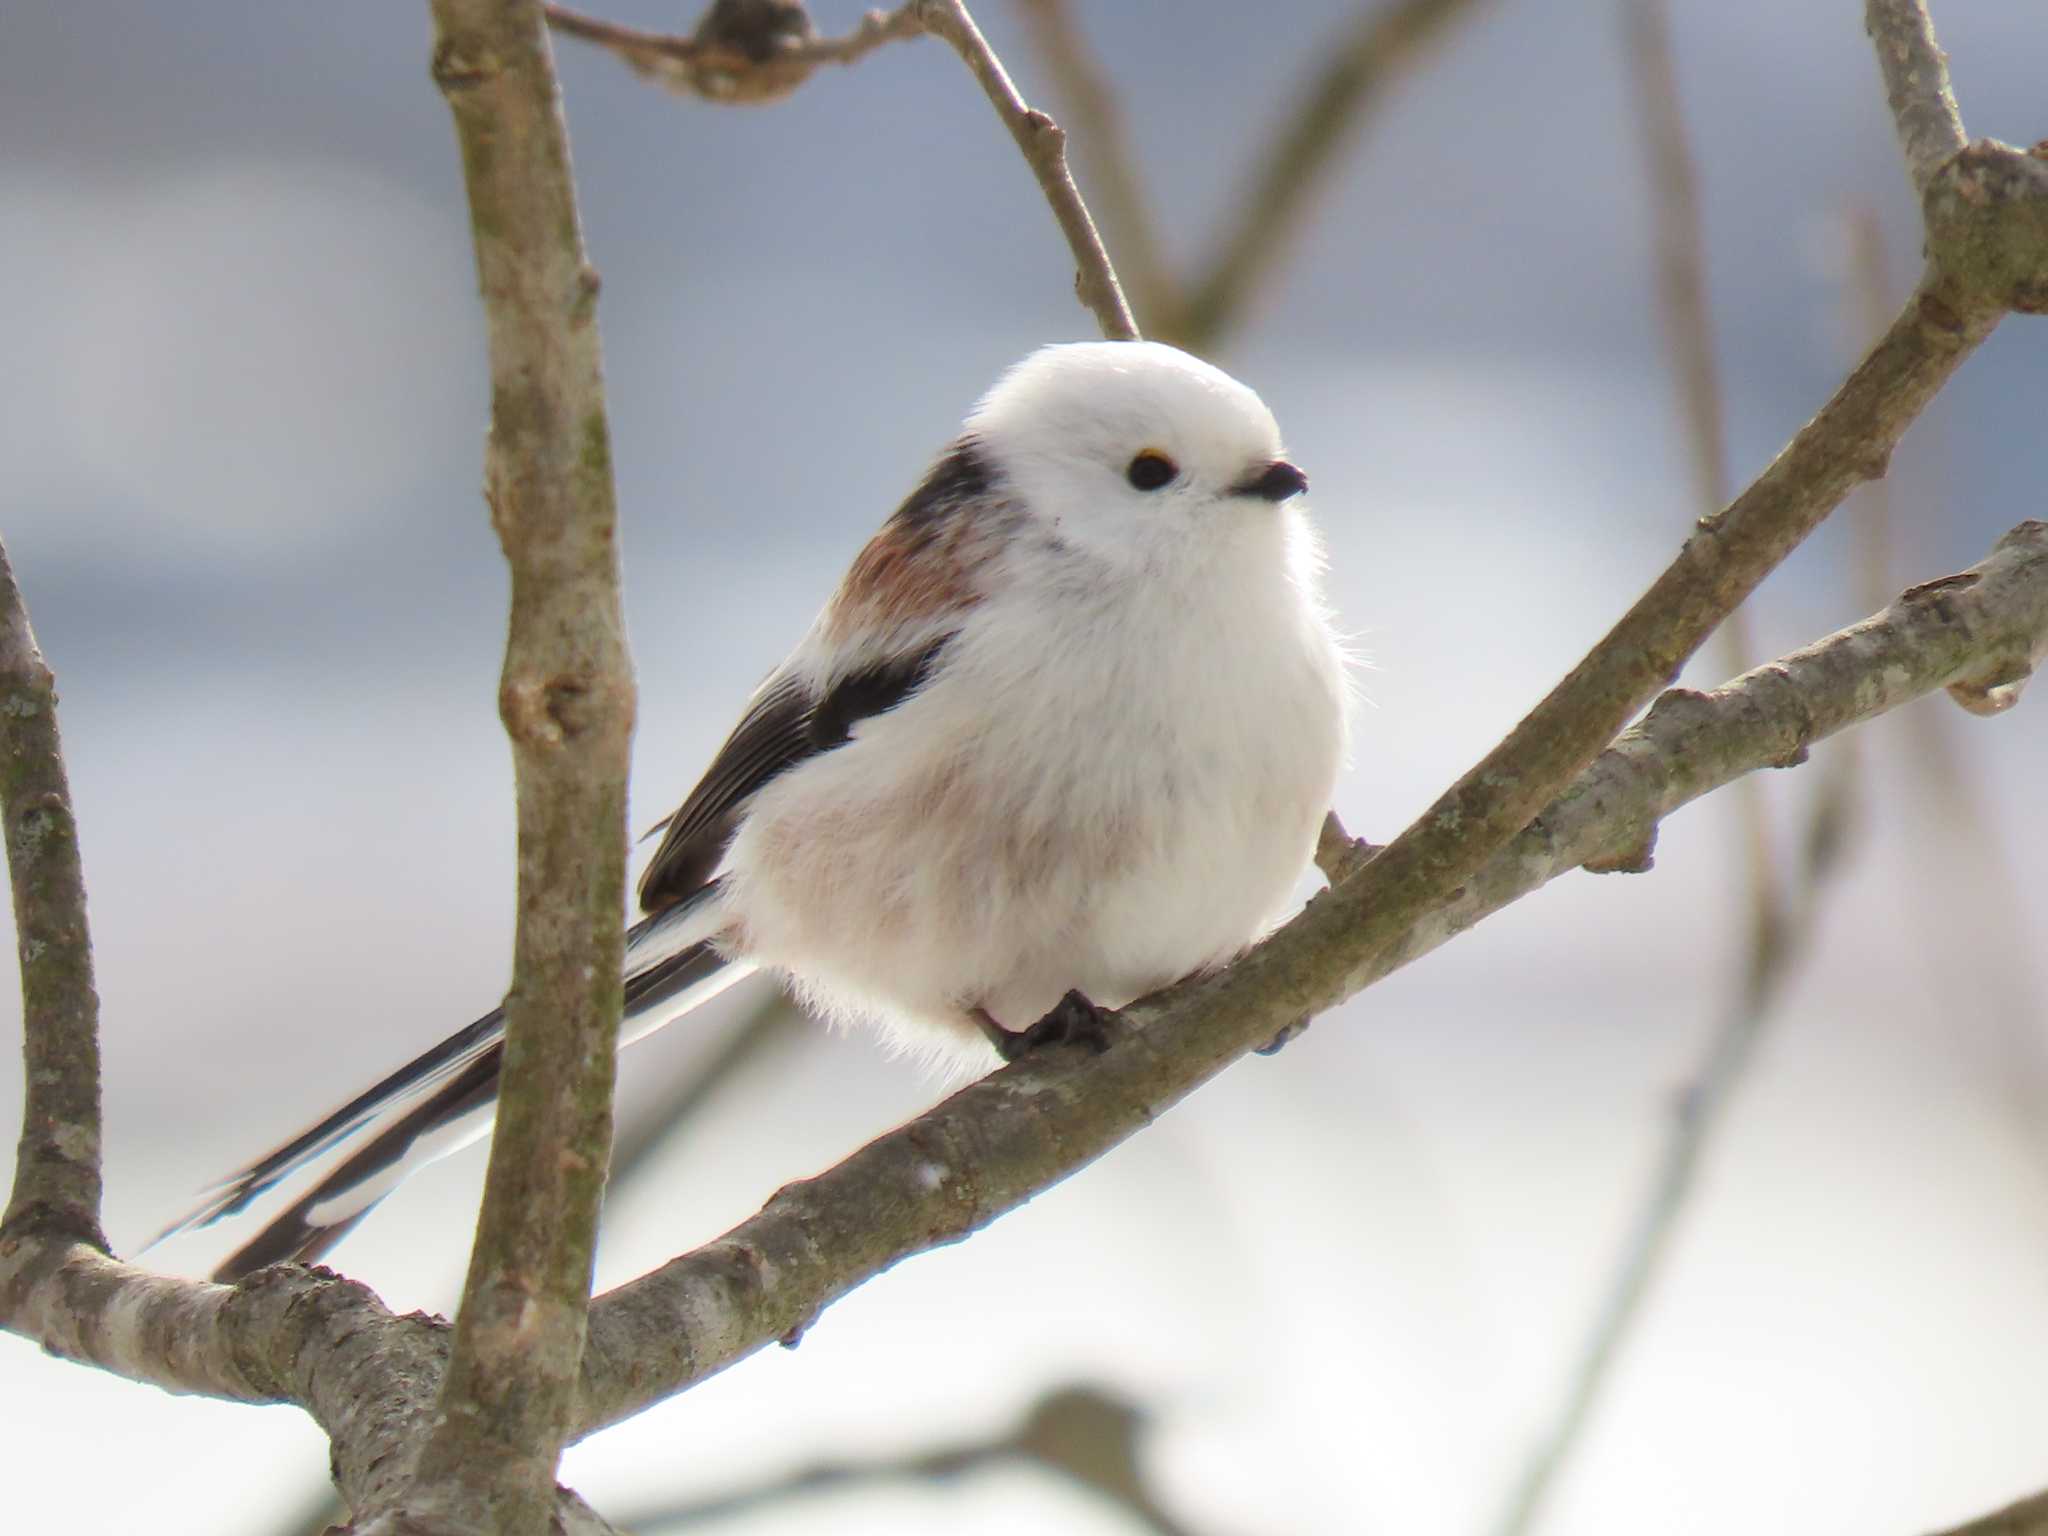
pixel 1128 449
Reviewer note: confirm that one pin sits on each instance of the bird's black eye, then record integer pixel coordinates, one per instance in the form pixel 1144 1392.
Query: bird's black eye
pixel 1150 470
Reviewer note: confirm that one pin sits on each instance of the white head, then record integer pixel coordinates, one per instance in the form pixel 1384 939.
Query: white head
pixel 1128 447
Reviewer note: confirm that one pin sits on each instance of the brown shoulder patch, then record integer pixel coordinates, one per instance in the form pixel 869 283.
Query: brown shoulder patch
pixel 923 563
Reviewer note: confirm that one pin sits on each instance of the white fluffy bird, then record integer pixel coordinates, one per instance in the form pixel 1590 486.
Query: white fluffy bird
pixel 1064 734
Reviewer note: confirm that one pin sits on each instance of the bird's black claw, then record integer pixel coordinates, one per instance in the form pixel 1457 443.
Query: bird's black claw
pixel 1073 1020
pixel 1273 1046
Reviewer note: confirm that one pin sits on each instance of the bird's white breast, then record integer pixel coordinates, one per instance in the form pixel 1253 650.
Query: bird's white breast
pixel 1106 801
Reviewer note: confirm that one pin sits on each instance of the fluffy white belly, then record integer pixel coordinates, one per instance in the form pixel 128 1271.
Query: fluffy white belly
pixel 1075 827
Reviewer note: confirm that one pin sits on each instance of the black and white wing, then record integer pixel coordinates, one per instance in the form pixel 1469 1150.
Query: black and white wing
pixel 444 1098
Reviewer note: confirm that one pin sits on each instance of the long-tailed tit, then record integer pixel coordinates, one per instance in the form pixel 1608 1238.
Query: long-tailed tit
pixel 1064 734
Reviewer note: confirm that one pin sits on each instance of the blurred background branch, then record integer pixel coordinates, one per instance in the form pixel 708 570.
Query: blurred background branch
pixel 1775 933
pixel 1089 99
pixel 1375 52
pixel 1027 1126
pixel 1044 147
pixel 1384 42
pixel 1083 1434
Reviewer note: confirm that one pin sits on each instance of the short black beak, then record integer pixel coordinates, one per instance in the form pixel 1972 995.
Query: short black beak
pixel 1276 482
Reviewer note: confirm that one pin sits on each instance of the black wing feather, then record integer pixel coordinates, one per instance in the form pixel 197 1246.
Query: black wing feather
pixel 784 725
pixel 772 735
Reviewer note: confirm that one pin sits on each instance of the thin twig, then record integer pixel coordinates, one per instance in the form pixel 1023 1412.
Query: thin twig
pixel 1106 151
pixel 999 1142
pixel 57 1166
pixel 1044 149
pixel 1916 86
pixel 1698 1115
pixel 1383 42
pixel 746 54
pixel 566 699
pixel 1079 1433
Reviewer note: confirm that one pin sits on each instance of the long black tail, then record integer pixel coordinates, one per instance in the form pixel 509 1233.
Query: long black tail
pixel 436 1103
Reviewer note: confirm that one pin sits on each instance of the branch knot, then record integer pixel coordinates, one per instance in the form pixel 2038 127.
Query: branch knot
pixel 1986 209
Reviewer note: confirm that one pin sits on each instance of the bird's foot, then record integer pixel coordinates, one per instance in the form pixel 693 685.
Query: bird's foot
pixel 1073 1020
pixel 1273 1046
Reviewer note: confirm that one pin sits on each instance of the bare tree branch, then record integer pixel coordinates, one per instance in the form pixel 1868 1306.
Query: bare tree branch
pixel 289 1333
pixel 57 1165
pixel 761 50
pixel 748 52
pixel 1383 42
pixel 1008 1137
pixel 1044 149
pixel 566 698
pixel 769 1277
pixel 1916 86
pixel 1984 205
pixel 1987 254
pixel 1106 149
pixel 1005 1138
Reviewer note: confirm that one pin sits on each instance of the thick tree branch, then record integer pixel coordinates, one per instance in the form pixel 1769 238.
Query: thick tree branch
pixel 1383 42
pixel 1916 86
pixel 289 1334
pixel 997 1143
pixel 278 1335
pixel 57 1164
pixel 1044 149
pixel 566 697
pixel 751 51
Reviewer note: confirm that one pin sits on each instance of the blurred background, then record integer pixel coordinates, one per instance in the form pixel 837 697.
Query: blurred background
pixel 1346 1288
